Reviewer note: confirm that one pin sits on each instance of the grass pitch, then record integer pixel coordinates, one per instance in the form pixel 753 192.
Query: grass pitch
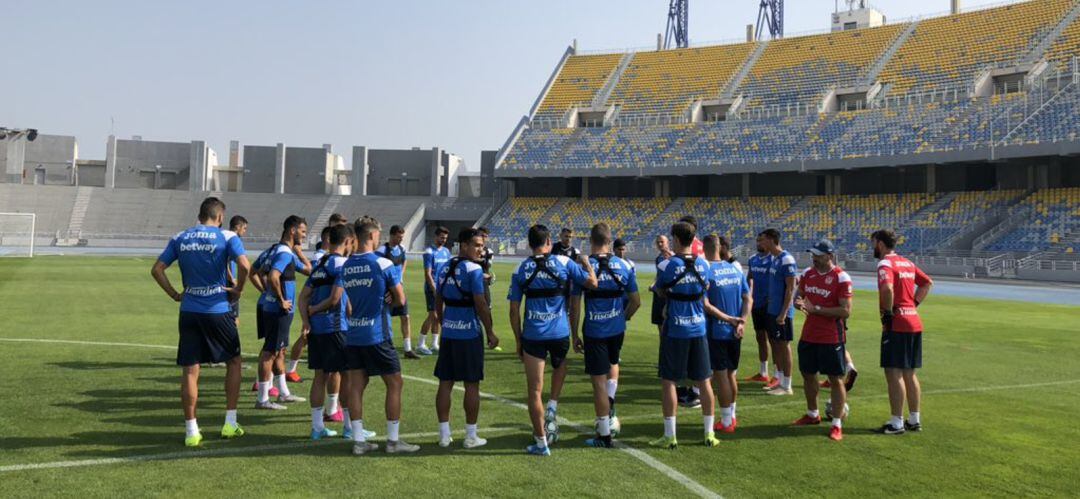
pixel 1001 394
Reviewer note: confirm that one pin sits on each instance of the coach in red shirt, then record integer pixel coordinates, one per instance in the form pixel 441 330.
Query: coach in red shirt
pixel 901 288
pixel 824 294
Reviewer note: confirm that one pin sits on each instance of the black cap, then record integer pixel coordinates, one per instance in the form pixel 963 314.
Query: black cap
pixel 823 247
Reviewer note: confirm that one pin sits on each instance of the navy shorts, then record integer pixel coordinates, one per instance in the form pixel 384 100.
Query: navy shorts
pixel 376 360
pixel 326 352
pixel 827 359
pixel 460 360
pixel 658 304
pixel 542 348
pixel 760 318
pixel 402 311
pixel 206 339
pixel 602 353
pixel 901 350
pixel 724 354
pixel 429 298
pixel 778 332
pixel 684 358
pixel 273 329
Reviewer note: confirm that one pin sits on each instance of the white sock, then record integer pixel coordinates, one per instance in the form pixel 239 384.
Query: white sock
pixel 776 372
pixel 603 426
pixel 696 390
pixel 541 442
pixel 408 344
pixel 612 387
pixel 553 405
pixel 851 366
pixel 470 431
pixel 814 413
pixel 837 422
pixel 709 421
pixel 331 404
pixel 727 414
pixel 669 427
pixel 435 340
pixel 764 370
pixel 283 386
pixel 292 365
pixel 192 427
pixel 734 411
pixel 896 422
pixel 779 378
pixel 316 419
pixel 358 430
pixel 392 428
pixel 264 391
pixel 345 415
pixel 786 384
pixel 423 341
pixel 444 430
pixel 913 418
pixel 230 416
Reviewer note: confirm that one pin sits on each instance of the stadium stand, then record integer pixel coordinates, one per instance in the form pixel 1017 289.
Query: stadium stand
pixel 1066 47
pixel 1054 215
pixel 948 51
pixel 578 81
pixel 629 218
pixel 666 82
pixel 933 228
pixel 52 205
pixel 802 68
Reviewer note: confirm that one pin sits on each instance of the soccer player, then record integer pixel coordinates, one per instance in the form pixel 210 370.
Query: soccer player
pixel 238 225
pixel 298 346
pixel 607 309
pixel 780 311
pixel 565 245
pixel 542 280
pixel 324 314
pixel 394 251
pixel 825 296
pixel 902 287
pixel 367 278
pixel 486 255
pixel 759 282
pixel 618 248
pixel 663 250
pixel 729 293
pixel 690 395
pixel 684 349
pixel 462 309
pixel 207 330
pixel 275 310
pixel 434 257
pixel 324 245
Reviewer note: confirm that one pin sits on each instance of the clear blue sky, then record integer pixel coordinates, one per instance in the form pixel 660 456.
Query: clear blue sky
pixel 389 74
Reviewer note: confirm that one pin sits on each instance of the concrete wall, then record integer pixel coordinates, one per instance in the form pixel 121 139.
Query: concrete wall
pixel 487 173
pixel 92 173
pixel 137 162
pixel 51 155
pixel 389 169
pixel 306 170
pixel 259 164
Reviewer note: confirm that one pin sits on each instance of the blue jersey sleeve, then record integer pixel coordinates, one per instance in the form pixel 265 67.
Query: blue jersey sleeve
pixel 631 281
pixel 474 282
pixel 576 273
pixel 235 248
pixel 281 261
pixel 392 276
pixel 744 285
pixel 171 253
pixel 515 294
pixel 429 260
pixel 787 267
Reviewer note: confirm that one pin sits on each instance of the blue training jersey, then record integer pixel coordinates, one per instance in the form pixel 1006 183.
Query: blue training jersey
pixel 435 258
pixel 459 319
pixel 203 252
pixel 396 254
pixel 366 278
pixel 281 258
pixel 324 278
pixel 759 273
pixel 727 286
pixel 781 267
pixel 685 296
pixel 603 313
pixel 545 316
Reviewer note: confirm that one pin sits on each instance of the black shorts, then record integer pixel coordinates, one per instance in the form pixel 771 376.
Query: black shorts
pixel 658 304
pixel 724 354
pixel 273 329
pixel 541 348
pixel 206 339
pixel 778 332
pixel 827 359
pixel 760 318
pixel 602 353
pixel 684 358
pixel 376 360
pixel 402 311
pixel 460 360
pixel 429 298
pixel 326 352
pixel 901 350
pixel 234 309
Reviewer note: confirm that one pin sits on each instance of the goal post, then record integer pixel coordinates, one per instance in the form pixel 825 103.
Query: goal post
pixel 17 234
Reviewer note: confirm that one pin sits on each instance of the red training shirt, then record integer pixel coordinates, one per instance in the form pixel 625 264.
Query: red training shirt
pixel 824 290
pixel 904 276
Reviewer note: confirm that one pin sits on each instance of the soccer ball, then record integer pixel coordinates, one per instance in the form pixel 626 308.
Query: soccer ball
pixel 552 430
pixel 616 426
pixel 829 413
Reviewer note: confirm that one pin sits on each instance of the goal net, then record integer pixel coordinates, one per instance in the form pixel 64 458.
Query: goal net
pixel 17 234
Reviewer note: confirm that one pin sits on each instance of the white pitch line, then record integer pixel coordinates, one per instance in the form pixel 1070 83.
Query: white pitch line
pixel 668 471
pixel 166 456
